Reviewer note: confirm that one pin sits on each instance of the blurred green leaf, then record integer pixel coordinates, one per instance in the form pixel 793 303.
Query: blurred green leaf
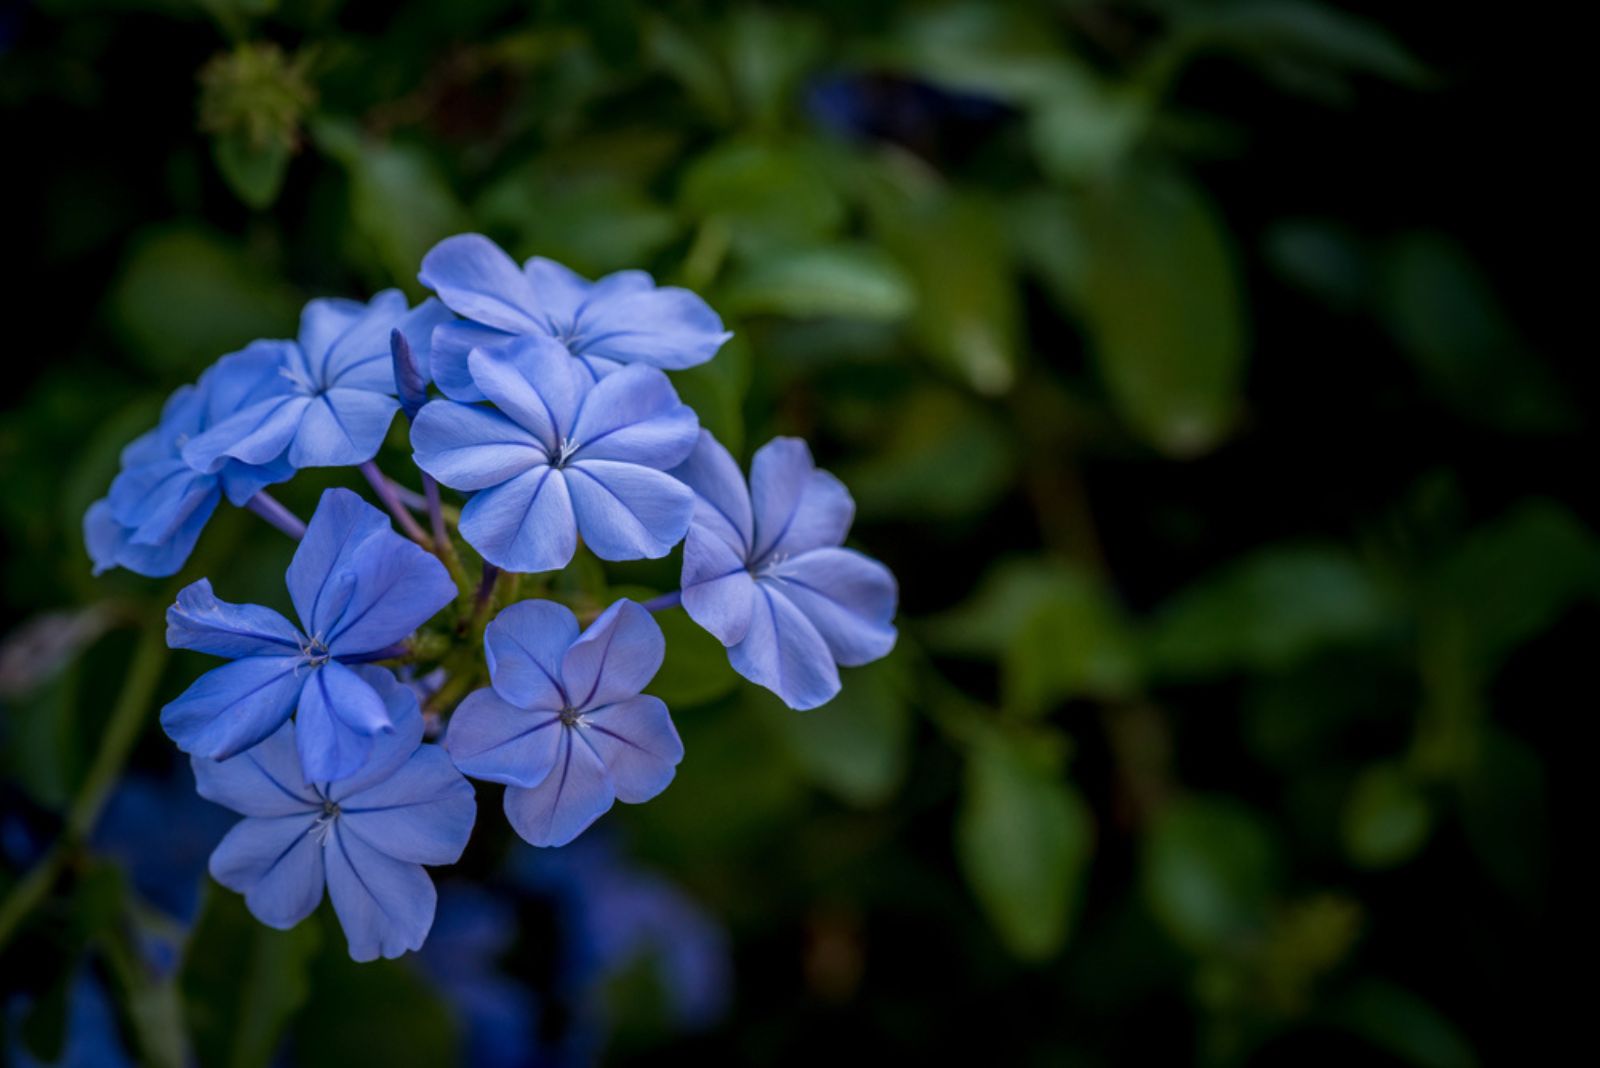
pixel 1448 320
pixel 1505 812
pixel 696 669
pixel 1397 1021
pixel 1209 872
pixel 1387 817
pixel 242 981
pixel 716 391
pixel 185 296
pixel 1266 611
pixel 766 53
pixel 1024 839
pixel 853 281
pixel 1055 631
pixel 855 745
pixel 254 173
pixel 1324 258
pixel 1163 308
pixel 768 195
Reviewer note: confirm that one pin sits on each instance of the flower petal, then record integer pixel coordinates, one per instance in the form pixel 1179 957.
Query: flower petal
pixel 322 323
pixel 246 377
pixel 616 657
pixel 723 499
pixel 491 739
pixel 338 715
pixel 384 905
pixel 359 358
pixel 200 622
pixel 479 281
pixel 670 328
pixel 634 416
pixel 264 780
pixel 342 427
pixel 638 743
pixel 452 343
pixel 422 813
pixel 524 646
pixel 718 591
pixel 577 792
pixel 276 864
pixel 848 597
pixel 559 292
pixel 783 652
pixel 469 447
pixel 533 381
pixel 797 507
pixel 230 708
pixel 390 748
pixel 258 434
pixel 626 511
pixel 523 525
pixel 340 526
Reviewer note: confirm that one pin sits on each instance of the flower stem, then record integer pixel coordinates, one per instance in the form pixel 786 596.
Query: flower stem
pixel 665 601
pixel 430 493
pixel 267 507
pixel 386 492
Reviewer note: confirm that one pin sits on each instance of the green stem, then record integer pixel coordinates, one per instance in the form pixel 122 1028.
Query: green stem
pixel 127 721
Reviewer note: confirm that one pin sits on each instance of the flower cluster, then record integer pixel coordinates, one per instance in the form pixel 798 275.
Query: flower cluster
pixel 345 736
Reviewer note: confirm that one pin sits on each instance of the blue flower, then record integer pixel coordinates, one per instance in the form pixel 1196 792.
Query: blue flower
pixel 563 455
pixel 166 868
pixel 365 837
pixel 333 396
pixel 90 1038
pixel 358 588
pixel 764 573
pixel 564 724
pixel 623 318
pixel 499 1015
pixel 159 503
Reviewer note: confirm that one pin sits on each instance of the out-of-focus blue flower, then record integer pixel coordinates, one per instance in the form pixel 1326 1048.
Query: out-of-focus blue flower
pixel 158 503
pixel 564 724
pixel 91 1036
pixel 333 395
pixel 365 837
pixel 473 930
pixel 623 318
pixel 161 833
pixel 613 915
pixel 763 571
pixel 564 455
pixel 358 588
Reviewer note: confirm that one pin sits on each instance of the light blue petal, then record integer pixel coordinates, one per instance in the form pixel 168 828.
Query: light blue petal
pixel 322 323
pixel 339 528
pixel 230 708
pixel 534 381
pixel 797 508
pixel 670 328
pixel 524 645
pixel 258 434
pixel 338 715
pixel 390 748
pixel 423 813
pixel 634 416
pixel 723 505
pixel 628 512
pixel 559 292
pixel 384 905
pixel 241 481
pixel 638 743
pixel 848 597
pixel 276 864
pixel 155 498
pixel 524 525
pixel 616 657
pixel 452 343
pixel 398 587
pixel 199 621
pixel 783 652
pixel 499 742
pixel 479 281
pixel 264 780
pixel 469 447
pixel 247 377
pixel 718 591
pixel 359 358
pixel 103 536
pixel 342 427
pixel 577 792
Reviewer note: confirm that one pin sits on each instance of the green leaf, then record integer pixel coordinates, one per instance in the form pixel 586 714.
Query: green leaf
pixel 242 981
pixel 766 195
pixel 1266 611
pixel 1055 631
pixel 1209 872
pixel 1163 308
pixel 185 296
pixel 1387 818
pixel 855 746
pixel 852 281
pixel 1024 839
pixel 1394 1019
pixel 716 391
pixel 254 172
pixel 696 670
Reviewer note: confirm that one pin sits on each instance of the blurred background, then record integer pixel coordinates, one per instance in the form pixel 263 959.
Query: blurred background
pixel 1204 370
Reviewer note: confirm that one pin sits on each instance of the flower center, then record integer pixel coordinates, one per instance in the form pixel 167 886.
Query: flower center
pixel 570 717
pixel 322 826
pixel 766 567
pixel 315 650
pixel 563 452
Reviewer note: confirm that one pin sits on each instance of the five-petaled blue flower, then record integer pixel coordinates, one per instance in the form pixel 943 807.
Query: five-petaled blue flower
pixel 334 396
pixel 158 503
pixel 365 837
pixel 564 724
pixel 563 455
pixel 358 588
pixel 764 573
pixel 623 318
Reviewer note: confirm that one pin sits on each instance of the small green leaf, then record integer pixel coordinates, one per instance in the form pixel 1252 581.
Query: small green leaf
pixel 716 391
pixel 696 670
pixel 254 172
pixel 1209 872
pixel 855 745
pixel 1387 818
pixel 1024 839
pixel 1163 308
pixel 768 196
pixel 851 281
pixel 1394 1019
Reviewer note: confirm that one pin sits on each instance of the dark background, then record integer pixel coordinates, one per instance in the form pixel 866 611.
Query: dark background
pixel 1233 464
